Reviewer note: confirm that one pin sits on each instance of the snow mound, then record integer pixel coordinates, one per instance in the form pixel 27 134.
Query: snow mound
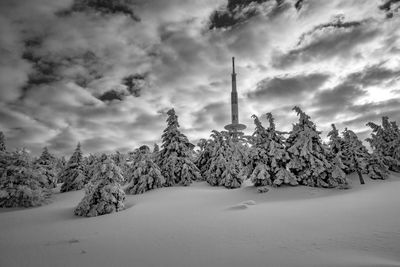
pixel 243 205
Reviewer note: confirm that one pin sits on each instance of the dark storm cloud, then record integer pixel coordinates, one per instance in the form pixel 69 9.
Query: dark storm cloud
pixel 135 83
pixel 390 7
pixel 337 39
pixel 65 141
pixel 82 72
pixel 336 23
pixel 284 87
pixel 299 4
pixel 373 112
pixel 339 96
pixel 105 7
pixel 239 11
pixel 211 114
pixel 112 95
pixel 374 75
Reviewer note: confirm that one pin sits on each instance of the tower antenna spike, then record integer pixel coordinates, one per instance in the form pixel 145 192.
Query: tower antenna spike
pixel 235 127
pixel 233 65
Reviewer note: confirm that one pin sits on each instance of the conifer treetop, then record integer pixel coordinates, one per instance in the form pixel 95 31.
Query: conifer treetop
pixel 304 119
pixel 271 121
pixel 107 170
pixel 172 119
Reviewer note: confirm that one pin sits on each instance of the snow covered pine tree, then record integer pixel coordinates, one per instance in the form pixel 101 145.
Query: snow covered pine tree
pixel 74 173
pixel 355 155
pixel 269 156
pixel 144 173
pixel 385 140
pixel 224 168
pixel 309 160
pixel 174 158
pixel 203 159
pixel 46 163
pixel 377 168
pixel 21 183
pixel 103 194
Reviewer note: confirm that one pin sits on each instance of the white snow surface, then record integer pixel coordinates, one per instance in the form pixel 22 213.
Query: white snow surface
pixel 200 226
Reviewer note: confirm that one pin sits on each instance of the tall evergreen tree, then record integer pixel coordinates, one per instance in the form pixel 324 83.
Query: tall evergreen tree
pixel 21 183
pixel 385 140
pixel 144 173
pixel 175 157
pixel 74 173
pixel 354 154
pixel 309 159
pixel 270 156
pixel 46 163
pixel 104 194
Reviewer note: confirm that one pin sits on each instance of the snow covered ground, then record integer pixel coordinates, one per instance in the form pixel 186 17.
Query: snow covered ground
pixel 212 226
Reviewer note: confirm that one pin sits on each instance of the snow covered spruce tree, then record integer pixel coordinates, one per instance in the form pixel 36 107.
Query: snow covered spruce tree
pixel 175 156
pixel 21 183
pixel 309 160
pixel 335 140
pixel 144 174
pixel 60 166
pixel 385 140
pixel 269 156
pixel 73 175
pixel 90 165
pixel 377 169
pixel 4 154
pixel 203 160
pixel 103 194
pixel 224 166
pixel 46 163
pixel 156 151
pixel 121 160
pixel 354 154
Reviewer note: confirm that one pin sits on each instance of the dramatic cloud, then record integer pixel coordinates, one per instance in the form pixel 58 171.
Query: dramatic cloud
pixel 104 73
pixel 287 87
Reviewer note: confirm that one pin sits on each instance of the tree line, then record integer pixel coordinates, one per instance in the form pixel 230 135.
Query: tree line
pixel 268 157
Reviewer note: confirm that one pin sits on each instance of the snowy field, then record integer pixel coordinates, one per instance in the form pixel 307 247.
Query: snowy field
pixel 213 226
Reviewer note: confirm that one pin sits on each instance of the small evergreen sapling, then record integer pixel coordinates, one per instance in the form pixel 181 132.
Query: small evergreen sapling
pixel 74 173
pixel 175 157
pixel 144 173
pixel 103 195
pixel 21 183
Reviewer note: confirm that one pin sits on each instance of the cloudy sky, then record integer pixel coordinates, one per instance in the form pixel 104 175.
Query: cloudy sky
pixel 105 72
